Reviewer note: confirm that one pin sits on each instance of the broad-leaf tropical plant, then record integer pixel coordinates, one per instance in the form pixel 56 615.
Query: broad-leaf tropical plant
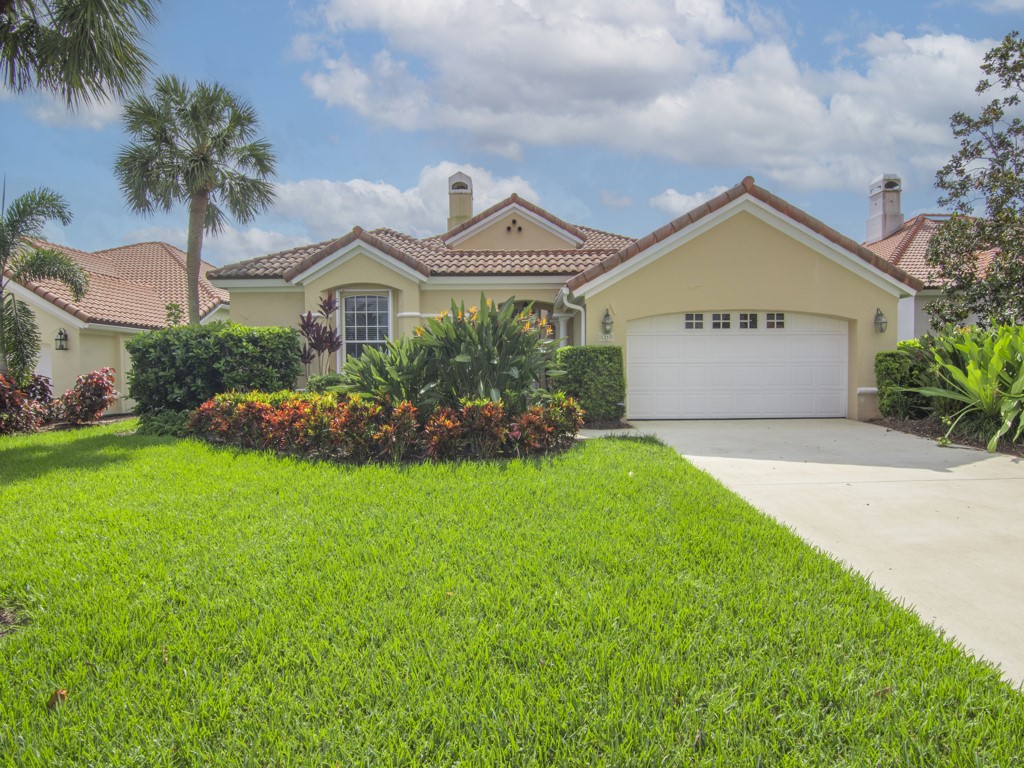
pixel 79 50
pixel 984 372
pixel 22 260
pixel 198 147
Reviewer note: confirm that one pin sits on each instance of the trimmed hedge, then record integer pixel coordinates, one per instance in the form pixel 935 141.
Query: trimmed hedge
pixel 181 367
pixel 352 429
pixel 595 377
pixel 896 371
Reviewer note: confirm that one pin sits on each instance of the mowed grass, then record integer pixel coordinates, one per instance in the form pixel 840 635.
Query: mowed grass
pixel 611 606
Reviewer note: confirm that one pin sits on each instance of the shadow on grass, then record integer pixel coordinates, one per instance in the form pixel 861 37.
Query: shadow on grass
pixel 32 460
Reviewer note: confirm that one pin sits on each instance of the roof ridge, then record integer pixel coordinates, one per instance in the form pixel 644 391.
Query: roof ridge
pixel 916 225
pixel 357 233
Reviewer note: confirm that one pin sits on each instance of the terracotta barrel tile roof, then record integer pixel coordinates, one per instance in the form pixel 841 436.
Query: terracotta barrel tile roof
pixel 431 256
pixel 129 286
pixel 907 248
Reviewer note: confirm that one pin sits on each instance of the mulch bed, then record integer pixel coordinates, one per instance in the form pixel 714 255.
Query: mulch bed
pixel 932 428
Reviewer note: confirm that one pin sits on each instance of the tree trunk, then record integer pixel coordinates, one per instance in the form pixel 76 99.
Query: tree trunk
pixel 194 256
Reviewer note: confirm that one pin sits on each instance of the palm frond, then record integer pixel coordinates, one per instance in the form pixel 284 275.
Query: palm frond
pixel 19 338
pixel 27 215
pixel 80 50
pixel 35 264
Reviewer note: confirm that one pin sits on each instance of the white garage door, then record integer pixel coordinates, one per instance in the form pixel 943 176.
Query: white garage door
pixel 736 365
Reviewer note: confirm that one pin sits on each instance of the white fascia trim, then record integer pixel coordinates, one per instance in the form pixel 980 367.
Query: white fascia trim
pixel 353 249
pixel 484 283
pixel 768 215
pixel 221 309
pixel 255 285
pixel 114 329
pixel 516 208
pixel 37 302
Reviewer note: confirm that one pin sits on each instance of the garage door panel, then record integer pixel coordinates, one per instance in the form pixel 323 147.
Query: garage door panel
pixel 799 370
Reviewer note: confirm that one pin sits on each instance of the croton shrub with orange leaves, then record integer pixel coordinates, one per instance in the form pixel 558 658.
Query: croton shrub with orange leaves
pixel 350 428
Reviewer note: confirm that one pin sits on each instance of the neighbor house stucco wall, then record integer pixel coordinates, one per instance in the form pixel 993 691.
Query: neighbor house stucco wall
pixel 280 306
pixel 746 263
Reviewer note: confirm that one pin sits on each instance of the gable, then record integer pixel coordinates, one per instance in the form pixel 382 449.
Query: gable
pixel 795 238
pixel 514 228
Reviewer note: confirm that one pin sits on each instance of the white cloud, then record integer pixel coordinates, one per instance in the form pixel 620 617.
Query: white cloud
pixel 331 208
pixel 95 115
pixel 677 203
pixel 696 81
pixel 229 246
pixel 1002 6
pixel 613 200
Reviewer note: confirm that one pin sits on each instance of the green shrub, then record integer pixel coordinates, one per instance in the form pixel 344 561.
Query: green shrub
pixel 323 382
pixel 895 372
pixel 595 377
pixel 179 368
pixel 163 423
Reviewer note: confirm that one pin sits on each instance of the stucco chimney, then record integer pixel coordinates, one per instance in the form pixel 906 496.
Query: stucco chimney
pixel 460 199
pixel 884 214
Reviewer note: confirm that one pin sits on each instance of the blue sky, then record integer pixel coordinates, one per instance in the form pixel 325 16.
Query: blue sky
pixel 609 114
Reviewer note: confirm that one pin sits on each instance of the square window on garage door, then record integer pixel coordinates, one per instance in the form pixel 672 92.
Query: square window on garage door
pixel 720 320
pixel 775 320
pixel 693 321
pixel 748 320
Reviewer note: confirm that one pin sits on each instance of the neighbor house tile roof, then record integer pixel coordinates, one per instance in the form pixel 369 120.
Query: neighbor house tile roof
pixel 745 187
pixel 907 248
pixel 129 286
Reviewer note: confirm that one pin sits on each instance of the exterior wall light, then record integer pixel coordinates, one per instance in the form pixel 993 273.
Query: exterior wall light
pixel 607 323
pixel 881 323
pixel 61 341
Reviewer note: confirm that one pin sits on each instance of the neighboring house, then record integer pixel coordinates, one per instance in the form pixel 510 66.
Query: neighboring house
pixel 129 290
pixel 905 244
pixel 744 307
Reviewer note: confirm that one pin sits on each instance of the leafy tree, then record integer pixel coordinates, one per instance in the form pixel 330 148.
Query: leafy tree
pixel 986 177
pixel 196 147
pixel 77 49
pixel 23 261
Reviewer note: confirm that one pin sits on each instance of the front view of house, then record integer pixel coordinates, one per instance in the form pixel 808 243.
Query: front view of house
pixel 745 307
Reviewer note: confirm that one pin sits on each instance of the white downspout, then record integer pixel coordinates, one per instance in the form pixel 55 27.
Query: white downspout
pixel 563 294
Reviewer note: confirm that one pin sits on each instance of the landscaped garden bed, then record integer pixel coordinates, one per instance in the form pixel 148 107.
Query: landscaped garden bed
pixel 606 606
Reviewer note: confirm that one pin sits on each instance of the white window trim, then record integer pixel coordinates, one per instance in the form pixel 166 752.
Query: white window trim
pixel 339 323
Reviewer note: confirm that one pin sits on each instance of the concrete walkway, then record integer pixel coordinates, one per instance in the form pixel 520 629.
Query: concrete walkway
pixel 941 528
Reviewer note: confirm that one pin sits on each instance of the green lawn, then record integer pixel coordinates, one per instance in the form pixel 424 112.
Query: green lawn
pixel 612 606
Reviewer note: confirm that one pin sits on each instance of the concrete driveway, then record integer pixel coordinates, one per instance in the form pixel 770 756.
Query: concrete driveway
pixel 941 528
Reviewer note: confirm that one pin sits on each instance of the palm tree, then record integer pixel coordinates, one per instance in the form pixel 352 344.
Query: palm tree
pixel 21 260
pixel 195 147
pixel 79 50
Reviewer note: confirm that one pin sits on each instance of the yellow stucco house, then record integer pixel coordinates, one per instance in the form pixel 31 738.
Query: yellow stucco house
pixel 129 290
pixel 744 307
